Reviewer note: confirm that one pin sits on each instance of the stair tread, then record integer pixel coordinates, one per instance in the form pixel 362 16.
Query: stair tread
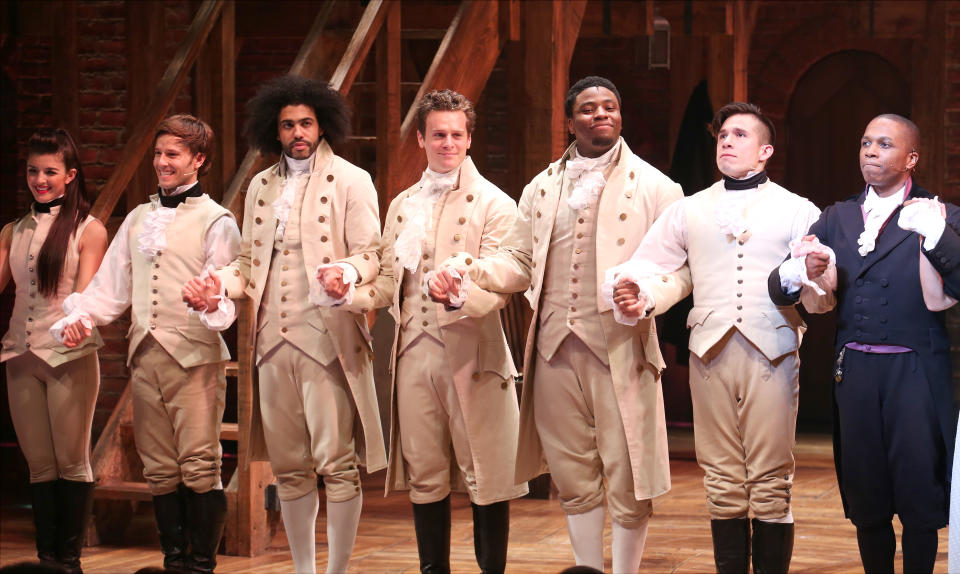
pixel 229 431
pixel 123 490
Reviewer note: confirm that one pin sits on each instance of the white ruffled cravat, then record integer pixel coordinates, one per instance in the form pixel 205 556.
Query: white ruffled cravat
pixel 153 238
pixel 878 210
pixel 417 209
pixel 586 173
pixel 296 170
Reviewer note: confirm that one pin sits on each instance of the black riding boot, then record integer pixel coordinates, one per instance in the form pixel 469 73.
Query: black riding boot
pixel 491 530
pixel 207 513
pixel 772 547
pixel 44 501
pixel 731 545
pixel 171 516
pixel 74 506
pixel 878 546
pixel 432 523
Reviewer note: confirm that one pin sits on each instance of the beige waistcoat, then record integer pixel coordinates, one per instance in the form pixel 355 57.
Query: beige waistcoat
pixel 157 307
pixel 33 314
pixel 286 313
pixel 730 274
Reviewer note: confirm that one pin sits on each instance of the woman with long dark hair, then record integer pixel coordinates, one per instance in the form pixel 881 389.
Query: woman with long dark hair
pixel 50 252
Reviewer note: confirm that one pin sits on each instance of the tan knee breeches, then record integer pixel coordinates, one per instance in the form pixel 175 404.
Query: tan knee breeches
pixel 176 419
pixel 52 409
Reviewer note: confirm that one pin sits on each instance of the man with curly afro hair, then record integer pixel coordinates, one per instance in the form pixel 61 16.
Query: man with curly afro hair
pixel 311 228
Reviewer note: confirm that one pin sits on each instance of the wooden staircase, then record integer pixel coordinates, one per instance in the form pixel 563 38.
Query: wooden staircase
pixel 455 45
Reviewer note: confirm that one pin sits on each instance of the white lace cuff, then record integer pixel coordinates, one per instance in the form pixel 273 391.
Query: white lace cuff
pixel 56 330
pixel 794 276
pixel 456 301
pixel 924 218
pixel 637 273
pixel 318 295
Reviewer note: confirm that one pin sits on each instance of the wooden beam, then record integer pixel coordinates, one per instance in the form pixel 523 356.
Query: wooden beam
pixel 550 35
pixel 214 99
pixel 744 20
pixel 388 106
pixel 66 73
pixel 359 46
pixel 170 84
pixel 463 62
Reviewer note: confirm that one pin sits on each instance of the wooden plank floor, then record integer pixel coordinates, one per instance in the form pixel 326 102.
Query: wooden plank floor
pixel 678 541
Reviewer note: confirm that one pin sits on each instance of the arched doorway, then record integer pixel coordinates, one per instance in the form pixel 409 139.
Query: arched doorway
pixel 831 105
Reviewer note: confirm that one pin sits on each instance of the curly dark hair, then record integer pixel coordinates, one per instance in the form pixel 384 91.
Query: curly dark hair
pixel 333 114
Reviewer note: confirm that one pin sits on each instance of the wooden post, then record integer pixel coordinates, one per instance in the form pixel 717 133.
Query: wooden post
pixel 550 34
pixel 214 99
pixel 145 24
pixel 388 106
pixel 744 19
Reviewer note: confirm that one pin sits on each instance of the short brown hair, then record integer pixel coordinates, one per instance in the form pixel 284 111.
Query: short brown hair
pixel 193 132
pixel 444 101
pixel 737 108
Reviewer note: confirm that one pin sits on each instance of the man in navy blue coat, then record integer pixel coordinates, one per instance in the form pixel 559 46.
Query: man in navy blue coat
pixel 894 420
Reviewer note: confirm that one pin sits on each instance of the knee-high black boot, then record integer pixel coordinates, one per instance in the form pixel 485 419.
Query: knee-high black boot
pixel 878 546
pixel 919 550
pixel 432 523
pixel 772 547
pixel 207 513
pixel 74 505
pixel 44 501
pixel 731 545
pixel 171 516
pixel 491 530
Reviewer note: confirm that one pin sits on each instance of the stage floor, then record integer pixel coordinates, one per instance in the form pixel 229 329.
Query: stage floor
pixel 678 540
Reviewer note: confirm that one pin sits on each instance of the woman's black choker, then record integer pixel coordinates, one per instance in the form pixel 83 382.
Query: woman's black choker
pixel 172 201
pixel 45 207
pixel 755 180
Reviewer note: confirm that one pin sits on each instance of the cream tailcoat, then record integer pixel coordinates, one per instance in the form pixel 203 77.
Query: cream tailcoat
pixel 340 222
pixel 475 218
pixel 634 196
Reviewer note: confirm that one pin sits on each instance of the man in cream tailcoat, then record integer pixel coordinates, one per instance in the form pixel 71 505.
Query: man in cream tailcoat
pixel 453 376
pixel 310 235
pixel 744 362
pixel 592 407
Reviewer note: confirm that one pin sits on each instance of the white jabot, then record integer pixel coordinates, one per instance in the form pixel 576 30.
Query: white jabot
pixel 152 239
pixel 417 209
pixel 731 209
pixel 586 173
pixel 877 210
pixel 296 170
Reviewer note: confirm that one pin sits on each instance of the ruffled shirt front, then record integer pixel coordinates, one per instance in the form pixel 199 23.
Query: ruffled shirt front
pixel 297 169
pixel 877 211
pixel 416 211
pixel 586 173
pixel 152 238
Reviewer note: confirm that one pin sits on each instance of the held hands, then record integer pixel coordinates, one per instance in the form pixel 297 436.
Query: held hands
pixel 817 261
pixel 331 279
pixel 442 284
pixel 75 333
pixel 627 296
pixel 202 294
